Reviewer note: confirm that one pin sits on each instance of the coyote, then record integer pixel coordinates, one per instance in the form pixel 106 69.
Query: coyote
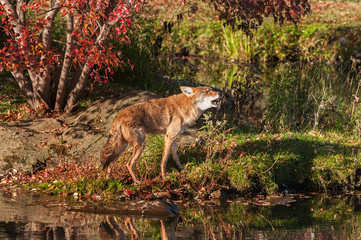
pixel 171 115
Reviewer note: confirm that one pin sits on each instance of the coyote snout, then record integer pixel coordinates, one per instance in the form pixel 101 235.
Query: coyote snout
pixel 171 115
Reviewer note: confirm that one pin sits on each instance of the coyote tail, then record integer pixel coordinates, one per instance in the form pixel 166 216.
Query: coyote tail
pixel 111 150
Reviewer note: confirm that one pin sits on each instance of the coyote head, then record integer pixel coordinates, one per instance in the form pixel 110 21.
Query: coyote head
pixel 203 97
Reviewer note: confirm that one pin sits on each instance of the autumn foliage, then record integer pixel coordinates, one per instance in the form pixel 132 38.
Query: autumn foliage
pixel 53 47
pixel 251 13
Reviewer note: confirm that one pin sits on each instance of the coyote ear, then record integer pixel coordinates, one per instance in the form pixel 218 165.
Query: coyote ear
pixel 188 91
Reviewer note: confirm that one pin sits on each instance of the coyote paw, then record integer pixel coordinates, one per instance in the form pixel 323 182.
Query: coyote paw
pixel 136 182
pixel 181 167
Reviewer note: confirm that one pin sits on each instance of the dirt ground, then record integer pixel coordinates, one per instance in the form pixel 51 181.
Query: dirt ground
pixel 26 145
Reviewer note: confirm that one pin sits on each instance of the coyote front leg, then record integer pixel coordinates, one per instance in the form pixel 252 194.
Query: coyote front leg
pixel 175 155
pixel 168 144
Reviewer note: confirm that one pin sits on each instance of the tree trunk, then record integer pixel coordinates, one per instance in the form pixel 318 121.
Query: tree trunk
pixel 76 93
pixel 78 89
pixel 61 88
pixel 41 89
pixel 27 89
pixel 36 84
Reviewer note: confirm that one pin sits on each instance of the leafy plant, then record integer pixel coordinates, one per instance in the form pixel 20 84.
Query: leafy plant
pixel 53 76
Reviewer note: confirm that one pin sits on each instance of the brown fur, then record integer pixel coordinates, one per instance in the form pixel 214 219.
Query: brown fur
pixel 171 115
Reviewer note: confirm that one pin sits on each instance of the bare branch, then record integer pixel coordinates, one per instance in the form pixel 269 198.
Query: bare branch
pixel 24 84
pixel 79 88
pixel 9 6
pixel 47 38
pixel 20 12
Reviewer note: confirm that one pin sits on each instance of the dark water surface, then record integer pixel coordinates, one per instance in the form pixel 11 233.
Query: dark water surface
pixel 33 216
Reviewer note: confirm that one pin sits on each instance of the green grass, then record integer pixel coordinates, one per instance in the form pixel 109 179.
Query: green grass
pixel 331 33
pixel 12 103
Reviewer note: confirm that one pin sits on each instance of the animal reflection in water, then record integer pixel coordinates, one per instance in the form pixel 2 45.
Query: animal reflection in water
pixel 85 226
pixel 116 227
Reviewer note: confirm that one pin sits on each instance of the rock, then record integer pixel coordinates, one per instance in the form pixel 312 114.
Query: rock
pixel 104 111
pixel 88 130
pixel 163 195
pixel 161 208
pixel 25 145
pixel 221 194
pixel 79 135
pixel 151 209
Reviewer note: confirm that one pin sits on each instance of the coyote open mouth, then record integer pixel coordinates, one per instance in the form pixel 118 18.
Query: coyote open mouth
pixel 216 102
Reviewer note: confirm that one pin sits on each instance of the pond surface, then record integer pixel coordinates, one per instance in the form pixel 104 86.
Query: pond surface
pixel 25 216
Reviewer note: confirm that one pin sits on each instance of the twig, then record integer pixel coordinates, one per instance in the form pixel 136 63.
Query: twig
pixel 273 229
pixel 268 168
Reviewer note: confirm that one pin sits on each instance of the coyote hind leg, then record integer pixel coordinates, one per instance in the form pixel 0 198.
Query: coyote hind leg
pixel 137 141
pixel 137 152
pixel 112 150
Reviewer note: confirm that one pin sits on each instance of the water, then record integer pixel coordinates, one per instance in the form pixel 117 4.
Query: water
pixel 31 216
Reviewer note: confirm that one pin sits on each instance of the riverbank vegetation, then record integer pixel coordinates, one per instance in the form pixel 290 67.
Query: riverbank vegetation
pixel 291 121
pixel 222 158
